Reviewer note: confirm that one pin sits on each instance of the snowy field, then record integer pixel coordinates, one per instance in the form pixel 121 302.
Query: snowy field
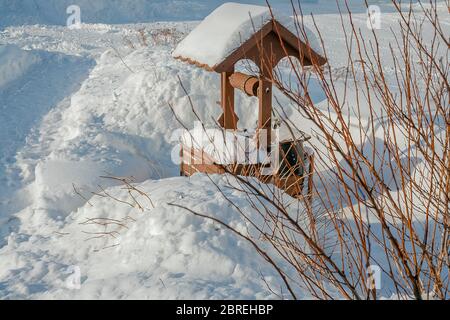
pixel 79 104
pixel 51 12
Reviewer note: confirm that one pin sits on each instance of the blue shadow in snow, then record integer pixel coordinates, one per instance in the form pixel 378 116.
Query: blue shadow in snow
pixel 25 100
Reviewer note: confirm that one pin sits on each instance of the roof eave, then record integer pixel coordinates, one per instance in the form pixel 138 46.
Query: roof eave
pixel 195 63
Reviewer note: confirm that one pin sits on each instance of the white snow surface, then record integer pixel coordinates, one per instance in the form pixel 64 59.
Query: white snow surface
pixel 162 253
pixel 80 104
pixel 227 28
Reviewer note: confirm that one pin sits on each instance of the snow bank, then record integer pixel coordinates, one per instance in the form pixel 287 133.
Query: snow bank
pixel 162 253
pixel 226 29
pixel 14 62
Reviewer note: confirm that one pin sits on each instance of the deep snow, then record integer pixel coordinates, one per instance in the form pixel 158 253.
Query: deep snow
pixel 103 110
pixel 175 256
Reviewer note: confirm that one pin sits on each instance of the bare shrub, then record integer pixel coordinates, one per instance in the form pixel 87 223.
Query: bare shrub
pixel 381 192
pixel 107 228
pixel 166 36
pixel 144 38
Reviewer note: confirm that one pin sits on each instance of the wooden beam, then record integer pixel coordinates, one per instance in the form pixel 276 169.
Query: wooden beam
pixel 265 111
pixel 228 119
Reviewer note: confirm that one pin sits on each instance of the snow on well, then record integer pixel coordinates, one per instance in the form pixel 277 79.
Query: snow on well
pixel 227 28
pixel 225 146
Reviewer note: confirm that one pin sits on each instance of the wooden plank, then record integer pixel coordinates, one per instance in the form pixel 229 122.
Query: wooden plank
pixel 292 184
pixel 229 119
pixel 310 177
pixel 265 112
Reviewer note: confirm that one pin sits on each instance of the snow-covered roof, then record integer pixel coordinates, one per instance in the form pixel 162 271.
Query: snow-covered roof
pixel 226 29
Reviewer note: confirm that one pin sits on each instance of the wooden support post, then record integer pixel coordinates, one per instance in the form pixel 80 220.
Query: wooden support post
pixel 228 119
pixel 265 110
pixel 311 178
pixel 181 162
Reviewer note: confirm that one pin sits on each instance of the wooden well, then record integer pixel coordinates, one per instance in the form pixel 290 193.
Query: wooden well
pixel 266 47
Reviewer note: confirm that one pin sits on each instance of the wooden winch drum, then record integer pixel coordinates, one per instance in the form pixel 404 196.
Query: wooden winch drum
pixel 244 82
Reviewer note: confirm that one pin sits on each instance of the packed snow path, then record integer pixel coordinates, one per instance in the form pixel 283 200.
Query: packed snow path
pixel 40 81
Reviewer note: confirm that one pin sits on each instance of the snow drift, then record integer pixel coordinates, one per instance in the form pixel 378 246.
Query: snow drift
pixel 175 256
pixel 14 63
